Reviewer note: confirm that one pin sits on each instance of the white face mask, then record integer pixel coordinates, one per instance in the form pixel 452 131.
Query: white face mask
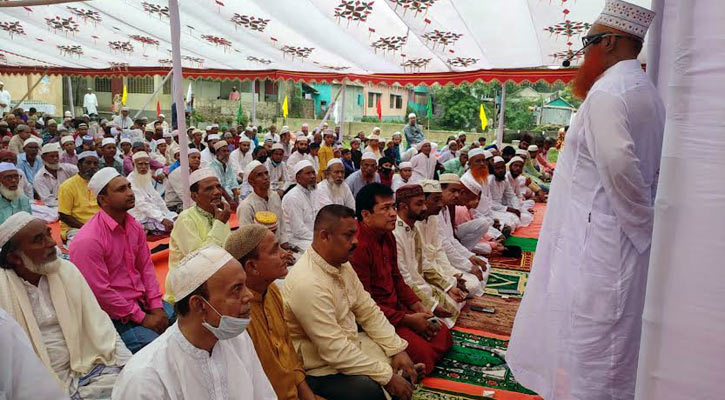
pixel 229 327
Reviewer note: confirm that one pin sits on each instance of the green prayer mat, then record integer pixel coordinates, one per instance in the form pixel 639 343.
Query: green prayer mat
pixel 478 360
pixel 424 393
pixel 526 244
pixel 506 279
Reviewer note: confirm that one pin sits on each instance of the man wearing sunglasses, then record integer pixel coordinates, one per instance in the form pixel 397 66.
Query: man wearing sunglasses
pixel 577 332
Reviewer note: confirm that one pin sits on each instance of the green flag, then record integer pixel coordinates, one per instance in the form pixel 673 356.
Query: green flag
pixel 239 113
pixel 430 107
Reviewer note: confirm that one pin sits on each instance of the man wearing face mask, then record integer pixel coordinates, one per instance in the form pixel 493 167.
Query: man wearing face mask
pixel 206 353
pixel 385 171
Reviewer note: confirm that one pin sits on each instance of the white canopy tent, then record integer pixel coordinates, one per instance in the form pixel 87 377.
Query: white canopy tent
pixel 682 343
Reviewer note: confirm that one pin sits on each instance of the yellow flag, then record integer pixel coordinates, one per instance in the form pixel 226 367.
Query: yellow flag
pixel 285 110
pixel 124 95
pixel 484 120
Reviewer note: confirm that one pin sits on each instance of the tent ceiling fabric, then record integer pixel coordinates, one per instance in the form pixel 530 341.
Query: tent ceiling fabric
pixel 343 36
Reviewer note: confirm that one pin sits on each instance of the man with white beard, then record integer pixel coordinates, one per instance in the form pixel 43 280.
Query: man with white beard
pixel 51 301
pixel 333 189
pixel 12 198
pixel 53 173
pixel 297 210
pixel 150 209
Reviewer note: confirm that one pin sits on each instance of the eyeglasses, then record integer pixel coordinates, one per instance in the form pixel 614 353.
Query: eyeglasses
pixel 597 37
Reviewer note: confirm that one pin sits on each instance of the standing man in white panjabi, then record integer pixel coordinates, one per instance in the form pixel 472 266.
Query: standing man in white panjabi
pixel 90 103
pixel 333 189
pixel 206 354
pixel 577 332
pixel 297 209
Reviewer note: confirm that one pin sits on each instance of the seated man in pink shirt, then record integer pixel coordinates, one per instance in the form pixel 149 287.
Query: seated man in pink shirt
pixel 110 251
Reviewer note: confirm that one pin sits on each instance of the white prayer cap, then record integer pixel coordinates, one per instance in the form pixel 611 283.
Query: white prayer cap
pixel 177 150
pixel 420 145
pixel 100 179
pixel 470 183
pixel 162 116
pixel 107 141
pixel 87 154
pixel 195 269
pixel 302 165
pixel 516 159
pixel 67 114
pixel 125 140
pixel 122 108
pixel 452 141
pixel 244 139
pixel 405 164
pixel 521 152
pixel 277 146
pixel 251 167
pixel 159 141
pixel 449 178
pixel 201 174
pixel 284 130
pixel 167 134
pixel 430 186
pixel 333 162
pixel 533 147
pixel 302 138
pixel 50 148
pixel 214 126
pixel 498 159
pixel 213 136
pixel 374 137
pixel 6 166
pixel 175 133
pixel 139 155
pixel 411 115
pixel 486 153
pixel 13 225
pixel 476 152
pixel 269 137
pixel 66 139
pixel 626 17
pixel 357 140
pixel 396 134
pixel 190 151
pixel 218 145
pixel 32 139
pixel 369 156
pixel 305 125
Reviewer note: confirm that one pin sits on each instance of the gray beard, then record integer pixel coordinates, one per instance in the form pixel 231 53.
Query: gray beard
pixel 141 180
pixel 51 167
pixel 45 268
pixel 335 189
pixel 11 195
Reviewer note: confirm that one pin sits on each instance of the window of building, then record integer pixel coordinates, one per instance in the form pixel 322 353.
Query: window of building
pixel 102 85
pixel 373 99
pixel 396 101
pixel 167 86
pixel 141 85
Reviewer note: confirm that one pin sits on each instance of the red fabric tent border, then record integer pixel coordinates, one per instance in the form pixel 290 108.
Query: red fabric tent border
pixel 427 79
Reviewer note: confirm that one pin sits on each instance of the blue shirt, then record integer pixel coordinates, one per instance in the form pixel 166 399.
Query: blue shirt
pixel 355 181
pixel 8 208
pixel 227 177
pixel 25 167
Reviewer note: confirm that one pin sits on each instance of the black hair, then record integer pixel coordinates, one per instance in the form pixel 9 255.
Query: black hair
pixel 527 138
pixel 194 187
pixel 256 151
pixel 330 214
pixel 314 145
pixel 345 151
pixel 384 160
pixel 508 150
pixel 8 248
pixel 182 306
pixel 367 197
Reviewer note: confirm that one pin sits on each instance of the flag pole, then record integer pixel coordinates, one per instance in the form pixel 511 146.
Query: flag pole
pixel 178 80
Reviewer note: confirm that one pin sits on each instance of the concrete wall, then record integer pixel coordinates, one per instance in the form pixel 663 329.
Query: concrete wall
pixel 49 90
pixel 388 112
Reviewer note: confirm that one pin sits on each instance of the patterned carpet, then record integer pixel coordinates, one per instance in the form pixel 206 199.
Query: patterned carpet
pixel 500 322
pixel 506 279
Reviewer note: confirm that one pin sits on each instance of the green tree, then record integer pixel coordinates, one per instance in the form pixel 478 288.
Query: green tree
pixel 460 105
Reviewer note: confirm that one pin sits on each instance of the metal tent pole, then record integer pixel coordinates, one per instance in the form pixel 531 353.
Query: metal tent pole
pixel 27 94
pixel 254 102
pixel 153 95
pixel 499 131
pixel 70 97
pixel 342 112
pixel 178 97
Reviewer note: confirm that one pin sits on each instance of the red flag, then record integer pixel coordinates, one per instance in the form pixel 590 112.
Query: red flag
pixel 380 109
pixel 158 108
